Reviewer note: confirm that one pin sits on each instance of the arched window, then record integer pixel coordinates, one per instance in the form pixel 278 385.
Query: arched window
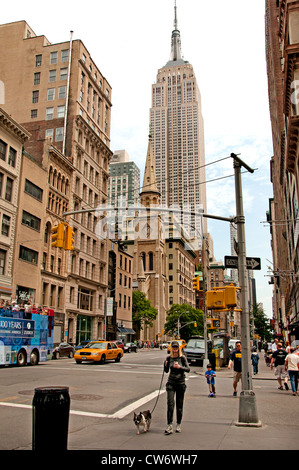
pixel 151 261
pixel 143 261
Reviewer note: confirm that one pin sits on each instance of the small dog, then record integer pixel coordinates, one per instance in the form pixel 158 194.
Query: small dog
pixel 143 419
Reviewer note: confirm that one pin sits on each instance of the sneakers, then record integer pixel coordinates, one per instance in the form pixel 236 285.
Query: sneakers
pixel 286 386
pixel 169 429
pixel 235 394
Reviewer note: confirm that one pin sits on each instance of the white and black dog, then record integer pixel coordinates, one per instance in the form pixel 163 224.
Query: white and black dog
pixel 143 419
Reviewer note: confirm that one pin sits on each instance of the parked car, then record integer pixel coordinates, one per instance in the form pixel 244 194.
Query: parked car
pixel 63 350
pixel 82 344
pixel 182 344
pixel 129 347
pixel 99 351
pixel 195 350
pixel 119 344
pixel 164 345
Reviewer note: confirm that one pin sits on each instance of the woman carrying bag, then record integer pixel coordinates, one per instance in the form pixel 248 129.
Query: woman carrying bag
pixel 176 363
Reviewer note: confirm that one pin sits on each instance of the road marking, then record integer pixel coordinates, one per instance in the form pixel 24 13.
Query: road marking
pixel 15 405
pixel 117 415
pixel 126 371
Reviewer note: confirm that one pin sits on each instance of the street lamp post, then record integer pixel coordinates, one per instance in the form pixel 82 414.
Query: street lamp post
pixel 247 404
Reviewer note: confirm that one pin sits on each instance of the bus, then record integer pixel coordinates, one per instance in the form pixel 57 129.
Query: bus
pixel 26 337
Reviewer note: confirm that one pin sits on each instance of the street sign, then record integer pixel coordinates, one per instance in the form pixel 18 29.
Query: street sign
pixel 251 263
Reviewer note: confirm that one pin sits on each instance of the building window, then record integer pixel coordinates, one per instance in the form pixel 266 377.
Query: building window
pixel 33 113
pixel 33 190
pixel 65 55
pixel 60 111
pixel 31 221
pixel 50 133
pixel 53 57
pixel 5 225
pixel 12 157
pixel 63 74
pixel 35 95
pixel 3 147
pixel 2 262
pixel 36 80
pixel 38 60
pixel 62 92
pixel 59 134
pixel 52 75
pixel 51 94
pixel 25 254
pixel 8 189
pixel 49 114
pixel 85 298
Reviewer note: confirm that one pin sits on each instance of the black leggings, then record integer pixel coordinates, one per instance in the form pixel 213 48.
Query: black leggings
pixel 179 391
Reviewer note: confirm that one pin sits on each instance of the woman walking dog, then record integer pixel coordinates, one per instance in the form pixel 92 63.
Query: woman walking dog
pixel 176 363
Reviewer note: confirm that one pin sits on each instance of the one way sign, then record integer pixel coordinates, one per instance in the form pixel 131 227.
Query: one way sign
pixel 251 263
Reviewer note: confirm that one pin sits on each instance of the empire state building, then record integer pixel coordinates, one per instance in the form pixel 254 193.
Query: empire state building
pixel 177 131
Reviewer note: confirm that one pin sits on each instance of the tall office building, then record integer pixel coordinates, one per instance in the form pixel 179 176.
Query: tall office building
pixel 177 131
pixel 58 94
pixel 124 179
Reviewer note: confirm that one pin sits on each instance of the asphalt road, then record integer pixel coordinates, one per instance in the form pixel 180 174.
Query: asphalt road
pixel 104 398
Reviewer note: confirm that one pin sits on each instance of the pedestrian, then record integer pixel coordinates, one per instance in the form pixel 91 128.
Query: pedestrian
pixel 291 365
pixel 274 345
pixel 255 360
pixel 287 347
pixel 176 364
pixel 236 360
pixel 210 376
pixel 278 360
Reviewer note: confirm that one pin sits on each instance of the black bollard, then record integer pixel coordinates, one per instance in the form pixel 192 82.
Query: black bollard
pixel 50 418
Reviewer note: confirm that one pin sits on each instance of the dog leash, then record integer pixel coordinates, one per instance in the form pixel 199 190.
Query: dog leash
pixel 158 392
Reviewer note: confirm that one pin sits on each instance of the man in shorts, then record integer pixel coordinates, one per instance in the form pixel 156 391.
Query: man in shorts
pixel 236 360
pixel 278 359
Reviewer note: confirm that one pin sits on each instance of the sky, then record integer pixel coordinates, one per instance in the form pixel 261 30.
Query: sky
pixel 225 43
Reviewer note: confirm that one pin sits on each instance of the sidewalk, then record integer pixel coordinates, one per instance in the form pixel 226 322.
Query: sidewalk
pixel 208 423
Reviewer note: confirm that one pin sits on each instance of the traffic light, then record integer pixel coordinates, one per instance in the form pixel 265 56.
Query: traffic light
pixel 58 235
pixel 196 283
pixel 69 238
pixel 230 296
pixel 215 299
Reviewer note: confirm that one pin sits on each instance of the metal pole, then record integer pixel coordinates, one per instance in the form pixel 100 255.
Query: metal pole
pixel 204 272
pixel 247 404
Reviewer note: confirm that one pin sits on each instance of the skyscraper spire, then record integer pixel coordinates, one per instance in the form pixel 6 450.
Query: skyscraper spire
pixel 175 16
pixel 176 53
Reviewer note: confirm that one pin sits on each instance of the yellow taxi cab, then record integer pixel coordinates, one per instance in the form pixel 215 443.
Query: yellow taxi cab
pixel 99 351
pixel 182 345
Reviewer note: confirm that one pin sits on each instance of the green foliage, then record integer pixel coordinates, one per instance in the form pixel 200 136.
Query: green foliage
pixel 261 323
pixel 143 313
pixel 187 316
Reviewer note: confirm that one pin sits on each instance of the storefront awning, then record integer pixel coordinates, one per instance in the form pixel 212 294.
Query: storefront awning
pixel 128 331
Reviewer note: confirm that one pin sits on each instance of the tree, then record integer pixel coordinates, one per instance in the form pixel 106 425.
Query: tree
pixel 261 323
pixel 185 317
pixel 143 313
